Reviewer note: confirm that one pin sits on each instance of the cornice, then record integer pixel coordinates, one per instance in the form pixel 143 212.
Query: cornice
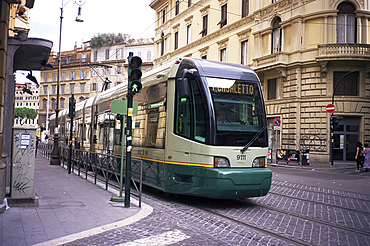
pixel 204 11
pixel 155 4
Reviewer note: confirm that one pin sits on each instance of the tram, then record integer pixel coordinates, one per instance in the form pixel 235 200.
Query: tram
pixel 200 129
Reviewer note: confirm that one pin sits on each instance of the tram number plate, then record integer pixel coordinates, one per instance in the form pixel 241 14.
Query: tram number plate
pixel 241 157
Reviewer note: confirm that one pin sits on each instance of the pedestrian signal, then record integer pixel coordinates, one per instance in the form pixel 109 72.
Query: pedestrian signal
pixel 134 73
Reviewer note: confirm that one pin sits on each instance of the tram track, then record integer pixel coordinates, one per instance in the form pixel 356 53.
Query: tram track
pixel 278 235
pixel 321 192
pixel 354 230
pixel 321 203
pixel 342 228
pixel 257 228
pixel 268 232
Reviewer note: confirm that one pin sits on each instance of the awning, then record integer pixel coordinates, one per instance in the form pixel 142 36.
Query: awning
pixel 31 54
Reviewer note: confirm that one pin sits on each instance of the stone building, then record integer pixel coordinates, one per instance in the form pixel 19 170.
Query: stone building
pixel 74 79
pixel 300 49
pixel 86 71
pixel 109 63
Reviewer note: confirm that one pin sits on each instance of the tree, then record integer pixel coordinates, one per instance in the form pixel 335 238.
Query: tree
pixel 107 39
pixel 24 113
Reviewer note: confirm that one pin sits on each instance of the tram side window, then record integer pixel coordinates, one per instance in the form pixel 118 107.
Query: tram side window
pixel 152 127
pixel 183 116
pixel 199 113
pixel 190 113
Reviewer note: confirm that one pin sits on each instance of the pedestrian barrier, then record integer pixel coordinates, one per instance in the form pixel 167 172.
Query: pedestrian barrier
pixel 100 167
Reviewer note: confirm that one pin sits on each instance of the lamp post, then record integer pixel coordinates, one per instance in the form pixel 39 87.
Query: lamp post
pixel 55 154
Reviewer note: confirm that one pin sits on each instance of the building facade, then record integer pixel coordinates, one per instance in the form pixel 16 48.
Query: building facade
pixel 109 63
pixel 305 52
pixel 74 79
pixel 86 71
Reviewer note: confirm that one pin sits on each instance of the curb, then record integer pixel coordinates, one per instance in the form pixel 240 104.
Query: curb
pixel 2 208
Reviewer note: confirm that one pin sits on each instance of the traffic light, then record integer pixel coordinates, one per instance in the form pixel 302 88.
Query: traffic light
pixel 334 122
pixel 134 73
pixel 72 107
pixel 26 90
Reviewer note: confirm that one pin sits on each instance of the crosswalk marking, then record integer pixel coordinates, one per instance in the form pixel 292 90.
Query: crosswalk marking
pixel 166 238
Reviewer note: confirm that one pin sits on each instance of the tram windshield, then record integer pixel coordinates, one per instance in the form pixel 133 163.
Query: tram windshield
pixel 239 110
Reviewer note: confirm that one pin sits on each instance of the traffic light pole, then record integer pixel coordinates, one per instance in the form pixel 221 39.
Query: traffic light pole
pixel 128 149
pixel 70 146
pixel 331 141
pixel 134 86
pixel 71 114
pixel 332 115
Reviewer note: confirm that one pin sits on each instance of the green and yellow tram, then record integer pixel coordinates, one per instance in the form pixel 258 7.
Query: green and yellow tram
pixel 200 129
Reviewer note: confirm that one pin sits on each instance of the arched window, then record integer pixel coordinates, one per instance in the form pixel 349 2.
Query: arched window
pixel 276 35
pixel 346 23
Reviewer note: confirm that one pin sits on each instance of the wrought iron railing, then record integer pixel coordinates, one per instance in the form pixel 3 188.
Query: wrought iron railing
pixel 103 168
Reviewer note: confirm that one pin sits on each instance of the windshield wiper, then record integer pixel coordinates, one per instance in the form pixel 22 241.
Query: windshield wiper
pixel 253 139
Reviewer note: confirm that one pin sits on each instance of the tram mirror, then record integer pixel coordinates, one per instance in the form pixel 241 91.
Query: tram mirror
pixel 182 86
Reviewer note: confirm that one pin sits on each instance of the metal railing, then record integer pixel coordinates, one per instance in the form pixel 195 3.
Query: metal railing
pixel 100 167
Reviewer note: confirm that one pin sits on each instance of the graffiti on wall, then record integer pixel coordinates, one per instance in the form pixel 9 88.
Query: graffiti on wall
pixel 23 164
pixel 314 142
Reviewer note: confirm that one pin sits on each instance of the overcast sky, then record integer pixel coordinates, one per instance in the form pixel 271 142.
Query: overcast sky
pixel 100 16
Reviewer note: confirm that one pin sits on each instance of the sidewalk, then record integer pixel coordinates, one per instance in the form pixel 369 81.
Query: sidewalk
pixel 69 208
pixel 338 166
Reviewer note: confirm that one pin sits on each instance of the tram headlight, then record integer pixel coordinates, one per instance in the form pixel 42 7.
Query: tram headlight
pixel 259 162
pixel 221 162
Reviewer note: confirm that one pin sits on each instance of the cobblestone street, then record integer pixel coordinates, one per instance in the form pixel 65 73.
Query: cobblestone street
pixel 291 214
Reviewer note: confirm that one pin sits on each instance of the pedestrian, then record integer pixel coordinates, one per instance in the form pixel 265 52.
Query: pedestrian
pixel 366 157
pixel 359 156
pixel 77 144
pixel 37 145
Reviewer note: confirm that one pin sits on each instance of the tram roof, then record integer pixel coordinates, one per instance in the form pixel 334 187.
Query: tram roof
pixel 217 69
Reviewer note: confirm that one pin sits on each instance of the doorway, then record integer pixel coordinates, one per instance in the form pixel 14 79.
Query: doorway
pixel 346 138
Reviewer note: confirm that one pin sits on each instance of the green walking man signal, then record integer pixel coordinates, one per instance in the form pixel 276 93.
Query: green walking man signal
pixel 334 122
pixel 134 74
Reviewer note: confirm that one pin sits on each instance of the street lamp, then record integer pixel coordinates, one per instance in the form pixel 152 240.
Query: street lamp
pixel 55 154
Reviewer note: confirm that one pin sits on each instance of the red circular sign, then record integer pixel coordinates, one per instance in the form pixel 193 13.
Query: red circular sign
pixel 277 122
pixel 330 108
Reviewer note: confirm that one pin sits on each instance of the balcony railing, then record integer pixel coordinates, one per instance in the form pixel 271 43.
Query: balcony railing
pixel 353 51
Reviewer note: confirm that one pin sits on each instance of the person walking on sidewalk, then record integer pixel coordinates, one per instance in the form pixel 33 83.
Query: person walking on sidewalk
pixel 367 157
pixel 359 156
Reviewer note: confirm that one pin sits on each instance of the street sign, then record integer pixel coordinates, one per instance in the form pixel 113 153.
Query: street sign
pixel 277 122
pixel 120 107
pixel 330 108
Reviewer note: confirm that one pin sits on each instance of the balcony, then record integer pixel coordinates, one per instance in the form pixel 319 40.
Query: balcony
pixel 343 52
pixel 275 59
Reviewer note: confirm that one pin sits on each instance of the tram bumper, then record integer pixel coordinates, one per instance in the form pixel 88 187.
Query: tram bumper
pixel 233 183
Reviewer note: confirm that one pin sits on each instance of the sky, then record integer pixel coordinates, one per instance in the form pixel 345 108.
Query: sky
pixel 100 16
